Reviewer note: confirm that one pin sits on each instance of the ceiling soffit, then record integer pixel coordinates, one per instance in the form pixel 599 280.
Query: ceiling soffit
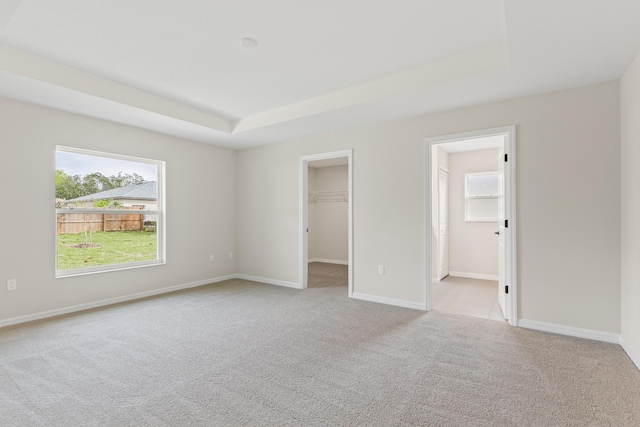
pixel 141 56
pixel 179 68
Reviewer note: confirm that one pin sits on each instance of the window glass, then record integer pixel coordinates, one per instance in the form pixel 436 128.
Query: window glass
pixel 109 212
pixel 482 195
pixel 482 185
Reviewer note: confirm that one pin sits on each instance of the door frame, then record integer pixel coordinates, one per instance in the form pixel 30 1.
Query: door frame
pixel 509 132
pixel 303 212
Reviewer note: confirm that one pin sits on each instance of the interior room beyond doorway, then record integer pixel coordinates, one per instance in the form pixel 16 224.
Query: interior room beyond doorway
pixel 328 225
pixel 467 206
pixel 325 275
pixel 469 297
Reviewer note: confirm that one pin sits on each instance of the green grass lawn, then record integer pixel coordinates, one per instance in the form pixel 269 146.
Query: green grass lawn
pixel 115 247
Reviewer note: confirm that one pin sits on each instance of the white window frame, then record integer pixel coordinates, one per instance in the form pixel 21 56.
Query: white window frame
pixel 160 215
pixel 468 197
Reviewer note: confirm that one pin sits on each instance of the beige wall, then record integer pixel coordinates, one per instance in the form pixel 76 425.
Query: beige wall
pixel 328 221
pixel 473 246
pixel 568 199
pixel 439 159
pixel 568 203
pixel 630 177
pixel 28 136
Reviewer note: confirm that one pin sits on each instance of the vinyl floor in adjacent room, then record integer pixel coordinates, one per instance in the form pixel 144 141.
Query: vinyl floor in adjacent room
pixel 469 297
pixel 324 275
pixel 240 353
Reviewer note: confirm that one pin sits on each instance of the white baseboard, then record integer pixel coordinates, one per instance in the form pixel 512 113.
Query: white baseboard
pixel 632 353
pixel 570 331
pixel 389 301
pixel 268 281
pixel 474 275
pixel 329 261
pixel 109 301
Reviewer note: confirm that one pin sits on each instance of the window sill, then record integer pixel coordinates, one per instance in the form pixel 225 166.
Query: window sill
pixel 60 274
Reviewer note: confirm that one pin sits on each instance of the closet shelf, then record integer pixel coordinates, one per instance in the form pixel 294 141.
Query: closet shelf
pixel 330 196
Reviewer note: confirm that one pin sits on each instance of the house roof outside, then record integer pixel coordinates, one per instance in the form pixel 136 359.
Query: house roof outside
pixel 144 191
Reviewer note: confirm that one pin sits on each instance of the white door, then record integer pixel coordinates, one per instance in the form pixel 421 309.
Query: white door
pixel 501 236
pixel 443 224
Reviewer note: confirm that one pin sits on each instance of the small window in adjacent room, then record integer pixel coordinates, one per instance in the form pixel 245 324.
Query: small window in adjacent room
pixel 109 212
pixel 482 194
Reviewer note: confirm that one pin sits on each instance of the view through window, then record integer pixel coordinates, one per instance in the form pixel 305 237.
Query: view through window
pixel 109 211
pixel 482 193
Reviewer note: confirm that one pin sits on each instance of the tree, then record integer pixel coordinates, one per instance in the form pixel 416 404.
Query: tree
pixel 70 187
pixel 94 183
pixel 124 179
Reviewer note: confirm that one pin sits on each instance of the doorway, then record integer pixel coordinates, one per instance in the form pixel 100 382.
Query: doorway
pixel 325 191
pixel 471 223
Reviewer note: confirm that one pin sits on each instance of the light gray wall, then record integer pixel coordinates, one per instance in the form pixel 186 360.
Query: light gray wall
pixel 195 172
pixel 329 222
pixel 473 246
pixel 568 203
pixel 630 127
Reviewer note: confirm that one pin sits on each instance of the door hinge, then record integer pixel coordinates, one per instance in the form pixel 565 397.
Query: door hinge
pixel 506 156
pixel 506 223
pixel 506 289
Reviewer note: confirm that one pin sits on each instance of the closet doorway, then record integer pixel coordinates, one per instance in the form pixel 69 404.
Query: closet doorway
pixel 326 220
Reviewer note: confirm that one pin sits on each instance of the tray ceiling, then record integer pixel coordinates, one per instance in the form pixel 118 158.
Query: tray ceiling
pixel 181 68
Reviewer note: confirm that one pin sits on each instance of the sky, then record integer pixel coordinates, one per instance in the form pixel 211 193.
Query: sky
pixel 84 164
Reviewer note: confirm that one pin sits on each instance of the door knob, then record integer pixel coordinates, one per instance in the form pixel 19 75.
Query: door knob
pixel 497 232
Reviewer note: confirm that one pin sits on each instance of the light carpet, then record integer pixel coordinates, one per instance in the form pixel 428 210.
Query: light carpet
pixel 240 353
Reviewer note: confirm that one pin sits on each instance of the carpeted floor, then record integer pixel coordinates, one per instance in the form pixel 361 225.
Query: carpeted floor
pixel 241 353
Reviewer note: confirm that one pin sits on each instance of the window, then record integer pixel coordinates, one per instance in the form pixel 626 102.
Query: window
pixel 482 195
pixel 109 212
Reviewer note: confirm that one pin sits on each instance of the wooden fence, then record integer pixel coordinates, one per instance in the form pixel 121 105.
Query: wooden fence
pixel 79 223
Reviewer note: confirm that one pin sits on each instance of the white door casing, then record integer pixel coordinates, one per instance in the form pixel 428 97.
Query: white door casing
pixel 303 242
pixel 509 233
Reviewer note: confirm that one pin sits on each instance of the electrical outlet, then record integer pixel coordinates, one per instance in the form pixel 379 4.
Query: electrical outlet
pixel 381 269
pixel 211 258
pixel 230 255
pixel 12 284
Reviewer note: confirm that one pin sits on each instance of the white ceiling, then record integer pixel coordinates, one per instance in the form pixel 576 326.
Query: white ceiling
pixel 180 67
